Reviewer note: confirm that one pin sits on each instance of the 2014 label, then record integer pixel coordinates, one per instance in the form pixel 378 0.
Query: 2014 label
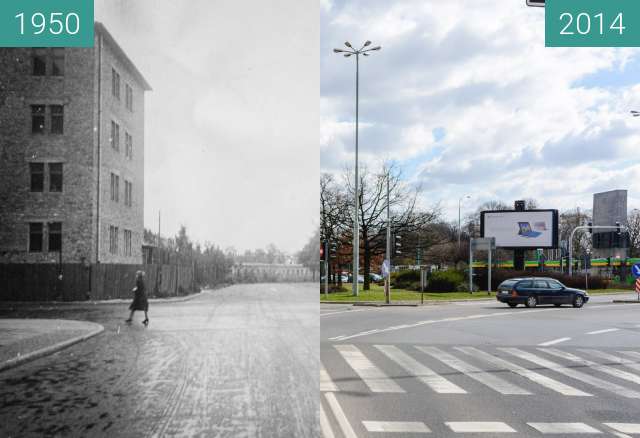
pixel 582 23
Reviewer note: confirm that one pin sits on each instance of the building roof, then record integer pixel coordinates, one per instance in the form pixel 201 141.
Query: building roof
pixel 101 29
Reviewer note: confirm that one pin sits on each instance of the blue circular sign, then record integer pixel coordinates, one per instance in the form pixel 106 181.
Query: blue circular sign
pixel 636 270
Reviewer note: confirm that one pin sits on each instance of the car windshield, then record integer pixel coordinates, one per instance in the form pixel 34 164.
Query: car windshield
pixel 507 283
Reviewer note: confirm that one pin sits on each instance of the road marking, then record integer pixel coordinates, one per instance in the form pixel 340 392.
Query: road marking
pixel 555 341
pixel 632 428
pixel 435 381
pixel 599 332
pixel 621 435
pixel 596 366
pixel 396 426
pixel 325 426
pixel 479 427
pixel 493 382
pixel 633 354
pixel 326 384
pixel 372 376
pixel 346 311
pixel 549 428
pixel 540 379
pixel 436 321
pixel 338 413
pixel 610 357
pixel 574 374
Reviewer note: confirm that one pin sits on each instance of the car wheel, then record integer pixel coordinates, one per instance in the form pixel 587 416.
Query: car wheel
pixel 578 301
pixel 512 304
pixel 557 304
pixel 531 301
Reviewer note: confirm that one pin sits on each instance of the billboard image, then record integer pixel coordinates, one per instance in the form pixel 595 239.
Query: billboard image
pixel 521 229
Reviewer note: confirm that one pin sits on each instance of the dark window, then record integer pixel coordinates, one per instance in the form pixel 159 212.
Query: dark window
pixel 113 239
pixel 55 177
pixel 128 191
pixel 115 136
pixel 540 284
pixel 115 187
pixel 57 68
pixel 115 83
pixel 37 119
pixel 57 119
pixel 525 284
pixel 127 242
pixel 129 97
pixel 37 176
pixel 35 237
pixel 128 140
pixel 39 61
pixel 55 236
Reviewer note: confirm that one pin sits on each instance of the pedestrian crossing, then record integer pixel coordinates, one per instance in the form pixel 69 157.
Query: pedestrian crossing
pixel 506 371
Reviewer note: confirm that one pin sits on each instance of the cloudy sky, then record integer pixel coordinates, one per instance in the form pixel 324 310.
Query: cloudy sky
pixel 232 121
pixel 466 98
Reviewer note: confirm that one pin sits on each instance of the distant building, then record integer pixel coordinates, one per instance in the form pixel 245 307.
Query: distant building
pixel 609 208
pixel 71 154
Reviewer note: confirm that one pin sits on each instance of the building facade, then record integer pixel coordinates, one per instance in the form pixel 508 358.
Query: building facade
pixel 610 208
pixel 71 154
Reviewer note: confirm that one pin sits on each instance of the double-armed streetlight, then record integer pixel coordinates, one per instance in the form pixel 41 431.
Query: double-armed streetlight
pixel 350 51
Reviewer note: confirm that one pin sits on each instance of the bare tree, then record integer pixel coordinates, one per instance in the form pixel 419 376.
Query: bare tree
pixel 633 227
pixel 569 220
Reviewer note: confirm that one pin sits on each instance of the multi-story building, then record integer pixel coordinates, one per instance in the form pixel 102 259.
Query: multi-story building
pixel 71 154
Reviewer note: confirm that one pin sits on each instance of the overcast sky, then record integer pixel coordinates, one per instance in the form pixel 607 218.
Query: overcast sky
pixel 232 121
pixel 466 98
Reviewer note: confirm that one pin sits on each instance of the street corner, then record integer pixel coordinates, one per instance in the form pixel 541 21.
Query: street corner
pixel 24 340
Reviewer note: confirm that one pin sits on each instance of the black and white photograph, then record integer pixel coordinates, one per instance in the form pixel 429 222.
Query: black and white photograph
pixel 159 225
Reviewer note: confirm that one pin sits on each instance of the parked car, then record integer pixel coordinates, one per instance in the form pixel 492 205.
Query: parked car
pixel 375 277
pixel 534 291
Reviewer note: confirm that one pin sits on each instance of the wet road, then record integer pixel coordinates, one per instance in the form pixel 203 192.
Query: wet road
pixel 236 362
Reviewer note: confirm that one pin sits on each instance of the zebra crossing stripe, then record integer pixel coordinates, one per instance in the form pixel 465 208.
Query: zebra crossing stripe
pixel 436 382
pixel 616 359
pixel 479 427
pixel 325 426
pixel 326 384
pixel 396 426
pixel 632 354
pixel 564 428
pixel 372 376
pixel 493 382
pixel 631 428
pixel 574 374
pixel 339 415
pixel 540 379
pixel 596 366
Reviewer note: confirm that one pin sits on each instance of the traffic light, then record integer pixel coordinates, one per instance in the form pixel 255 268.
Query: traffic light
pixel 618 228
pixel 333 250
pixel 590 225
pixel 322 251
pixel 397 244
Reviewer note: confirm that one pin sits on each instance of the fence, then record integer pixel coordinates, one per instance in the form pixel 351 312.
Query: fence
pixel 263 273
pixel 41 282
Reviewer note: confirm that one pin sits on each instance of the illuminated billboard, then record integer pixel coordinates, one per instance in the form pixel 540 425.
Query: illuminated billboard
pixel 521 229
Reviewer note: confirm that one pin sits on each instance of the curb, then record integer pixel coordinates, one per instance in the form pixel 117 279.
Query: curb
pixel 626 301
pixel 11 363
pixel 385 305
pixel 426 302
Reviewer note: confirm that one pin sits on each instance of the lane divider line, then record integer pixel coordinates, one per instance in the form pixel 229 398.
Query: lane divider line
pixel 599 332
pixel 555 341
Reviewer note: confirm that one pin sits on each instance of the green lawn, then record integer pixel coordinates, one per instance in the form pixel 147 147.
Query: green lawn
pixel 376 294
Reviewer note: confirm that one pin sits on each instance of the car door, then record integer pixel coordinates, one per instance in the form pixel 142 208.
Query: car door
pixel 524 288
pixel 542 291
pixel 558 294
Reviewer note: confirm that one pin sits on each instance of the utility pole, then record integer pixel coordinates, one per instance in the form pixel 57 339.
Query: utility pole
pixel 387 283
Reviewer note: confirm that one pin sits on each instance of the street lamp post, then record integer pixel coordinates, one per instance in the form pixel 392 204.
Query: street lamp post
pixel 356 231
pixel 459 217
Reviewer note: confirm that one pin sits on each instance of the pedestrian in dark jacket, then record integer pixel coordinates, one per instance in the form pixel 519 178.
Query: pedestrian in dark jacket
pixel 140 301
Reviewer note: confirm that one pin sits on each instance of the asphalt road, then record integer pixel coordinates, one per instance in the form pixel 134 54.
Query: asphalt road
pixel 236 362
pixel 481 369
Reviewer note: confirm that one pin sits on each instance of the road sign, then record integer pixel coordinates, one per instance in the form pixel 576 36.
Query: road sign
pixel 539 3
pixel 385 268
pixel 483 244
pixel 636 270
pixel 638 288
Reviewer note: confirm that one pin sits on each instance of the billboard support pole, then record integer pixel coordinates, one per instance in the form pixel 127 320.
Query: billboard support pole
pixel 470 268
pixel 489 280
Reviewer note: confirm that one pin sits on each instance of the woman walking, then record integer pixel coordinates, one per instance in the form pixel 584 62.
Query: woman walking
pixel 140 301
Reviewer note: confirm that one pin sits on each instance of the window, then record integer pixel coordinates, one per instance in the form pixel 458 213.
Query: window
pixel 129 97
pixel 113 239
pixel 37 119
pixel 127 242
pixel 128 141
pixel 115 136
pixel 55 177
pixel 555 285
pixel 57 119
pixel 527 284
pixel 115 187
pixel 57 68
pixel 540 284
pixel 37 176
pixel 115 83
pixel 55 236
pixel 39 62
pixel 128 192
pixel 35 237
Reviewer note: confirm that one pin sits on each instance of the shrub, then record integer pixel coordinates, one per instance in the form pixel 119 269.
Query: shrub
pixel 405 280
pixel 445 281
pixel 576 281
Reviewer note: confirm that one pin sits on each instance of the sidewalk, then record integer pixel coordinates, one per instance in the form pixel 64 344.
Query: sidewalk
pixel 22 340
